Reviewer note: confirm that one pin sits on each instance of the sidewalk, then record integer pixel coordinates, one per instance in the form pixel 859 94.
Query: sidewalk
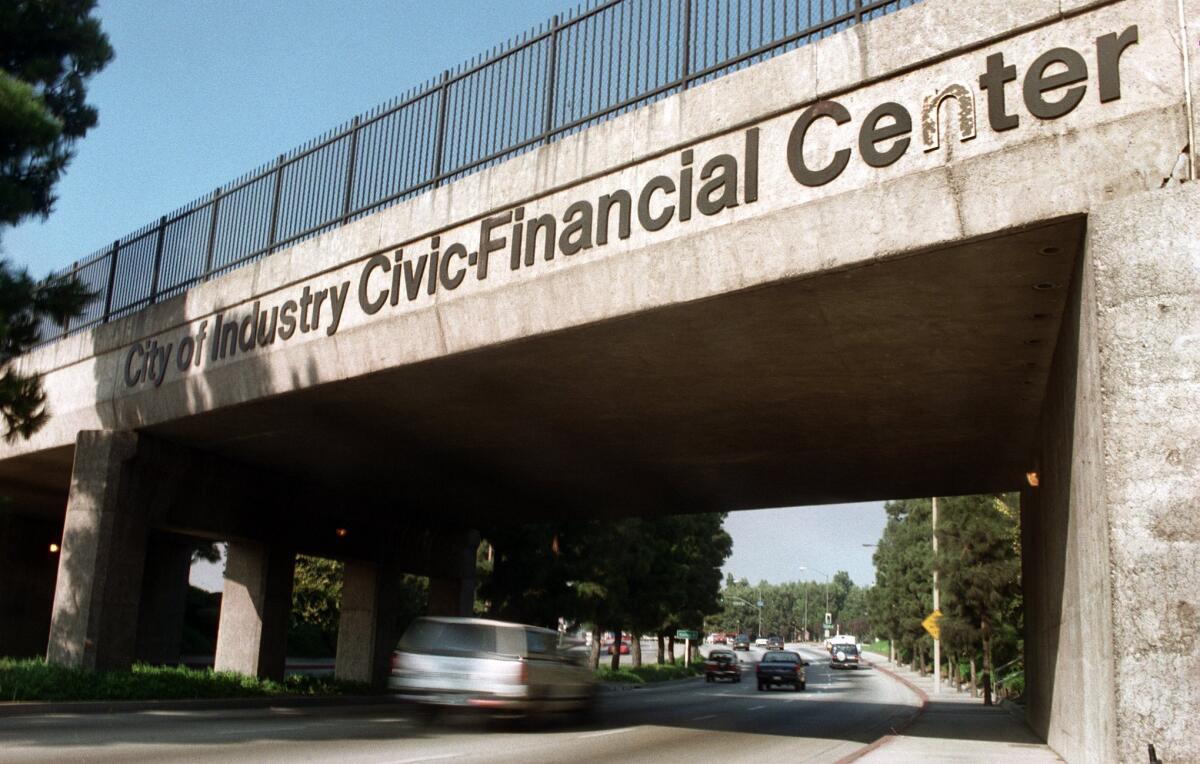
pixel 955 727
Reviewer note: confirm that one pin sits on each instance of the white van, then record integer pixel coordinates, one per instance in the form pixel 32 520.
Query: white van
pixel 490 665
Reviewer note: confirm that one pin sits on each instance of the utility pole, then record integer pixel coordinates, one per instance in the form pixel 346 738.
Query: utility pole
pixel 805 611
pixel 827 580
pixel 937 643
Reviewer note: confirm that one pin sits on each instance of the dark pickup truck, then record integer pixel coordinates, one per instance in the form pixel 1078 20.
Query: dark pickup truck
pixel 781 667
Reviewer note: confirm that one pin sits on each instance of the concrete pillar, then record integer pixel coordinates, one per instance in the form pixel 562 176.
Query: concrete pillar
pixel 367 622
pixel 28 569
pixel 452 573
pixel 164 598
pixel 255 606
pixel 451 596
pixel 94 622
pixel 1112 533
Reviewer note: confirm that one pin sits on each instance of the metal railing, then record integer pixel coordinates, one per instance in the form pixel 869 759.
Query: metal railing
pixel 602 59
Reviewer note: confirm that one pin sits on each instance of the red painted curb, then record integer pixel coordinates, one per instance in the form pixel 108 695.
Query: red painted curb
pixel 895 732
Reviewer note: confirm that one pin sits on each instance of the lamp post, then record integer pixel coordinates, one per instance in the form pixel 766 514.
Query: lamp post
pixel 751 604
pixel 823 573
pixel 805 612
pixel 937 643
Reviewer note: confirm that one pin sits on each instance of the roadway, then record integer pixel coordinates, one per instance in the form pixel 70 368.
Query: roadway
pixel 685 721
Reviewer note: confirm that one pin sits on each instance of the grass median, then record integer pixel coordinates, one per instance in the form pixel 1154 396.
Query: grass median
pixel 650 672
pixel 35 680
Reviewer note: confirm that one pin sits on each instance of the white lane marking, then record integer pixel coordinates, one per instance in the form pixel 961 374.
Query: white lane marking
pixel 755 708
pixel 607 732
pixel 702 718
pixel 435 757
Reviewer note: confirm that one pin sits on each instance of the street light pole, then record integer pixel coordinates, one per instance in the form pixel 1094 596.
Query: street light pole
pixel 751 604
pixel 937 643
pixel 823 573
pixel 805 611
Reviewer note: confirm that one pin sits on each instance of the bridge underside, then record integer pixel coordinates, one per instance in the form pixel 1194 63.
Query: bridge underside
pixel 917 375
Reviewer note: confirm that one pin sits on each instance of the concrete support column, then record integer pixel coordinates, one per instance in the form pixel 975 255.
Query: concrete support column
pixel 452 575
pixel 164 598
pixel 1112 533
pixel 256 604
pixel 367 622
pixel 28 569
pixel 94 623
pixel 451 596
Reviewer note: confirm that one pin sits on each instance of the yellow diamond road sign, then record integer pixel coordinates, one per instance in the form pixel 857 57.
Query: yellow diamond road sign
pixel 931 624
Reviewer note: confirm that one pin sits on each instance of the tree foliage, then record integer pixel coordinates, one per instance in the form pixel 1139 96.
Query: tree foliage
pixel 792 607
pixel 644 575
pixel 979 566
pixel 316 603
pixel 48 50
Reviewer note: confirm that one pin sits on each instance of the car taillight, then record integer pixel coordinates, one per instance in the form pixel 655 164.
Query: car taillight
pixel 396 661
pixel 799 669
pixel 523 673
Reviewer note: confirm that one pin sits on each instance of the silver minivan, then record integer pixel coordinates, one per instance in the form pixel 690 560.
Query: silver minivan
pixel 490 665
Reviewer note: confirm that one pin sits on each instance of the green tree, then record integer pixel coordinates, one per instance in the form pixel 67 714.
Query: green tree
pixel 316 605
pixel 639 574
pixel 979 564
pixel 904 576
pixel 48 51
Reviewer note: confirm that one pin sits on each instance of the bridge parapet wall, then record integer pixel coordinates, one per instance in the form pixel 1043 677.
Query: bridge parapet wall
pixel 767 226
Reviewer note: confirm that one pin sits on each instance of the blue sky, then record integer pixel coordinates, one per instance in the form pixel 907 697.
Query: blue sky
pixel 201 92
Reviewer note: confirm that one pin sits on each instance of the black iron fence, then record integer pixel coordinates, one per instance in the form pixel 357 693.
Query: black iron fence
pixel 600 60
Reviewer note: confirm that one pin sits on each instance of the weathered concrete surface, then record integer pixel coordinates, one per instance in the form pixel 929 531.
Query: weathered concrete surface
pixel 890 333
pixel 252 634
pixel 367 630
pixel 994 183
pixel 1110 538
pixel 97 592
pixel 1146 251
pixel 1067 595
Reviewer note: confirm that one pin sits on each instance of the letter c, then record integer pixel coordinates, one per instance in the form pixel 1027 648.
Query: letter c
pixel 371 307
pixel 795 148
pixel 131 380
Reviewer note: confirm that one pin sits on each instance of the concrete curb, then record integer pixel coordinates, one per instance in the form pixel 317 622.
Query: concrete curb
pixel 35 708
pixel 896 732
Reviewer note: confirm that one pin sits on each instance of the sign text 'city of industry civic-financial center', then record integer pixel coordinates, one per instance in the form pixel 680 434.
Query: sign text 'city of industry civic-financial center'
pixel 815 149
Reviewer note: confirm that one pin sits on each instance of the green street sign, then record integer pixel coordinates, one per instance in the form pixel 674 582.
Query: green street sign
pixel 687 634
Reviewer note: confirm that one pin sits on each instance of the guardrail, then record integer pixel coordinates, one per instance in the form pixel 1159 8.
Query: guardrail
pixel 600 60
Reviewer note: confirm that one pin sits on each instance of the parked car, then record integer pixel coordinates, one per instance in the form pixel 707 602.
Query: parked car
pixel 722 664
pixel 774 642
pixel 490 665
pixel 844 656
pixel 741 642
pixel 624 648
pixel 779 668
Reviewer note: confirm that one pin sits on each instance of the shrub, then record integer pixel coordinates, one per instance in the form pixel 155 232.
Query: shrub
pixel 36 680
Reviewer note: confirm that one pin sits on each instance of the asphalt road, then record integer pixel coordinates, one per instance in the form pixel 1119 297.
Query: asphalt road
pixel 685 721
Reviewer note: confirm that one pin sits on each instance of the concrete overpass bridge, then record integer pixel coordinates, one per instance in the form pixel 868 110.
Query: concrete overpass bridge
pixel 925 255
